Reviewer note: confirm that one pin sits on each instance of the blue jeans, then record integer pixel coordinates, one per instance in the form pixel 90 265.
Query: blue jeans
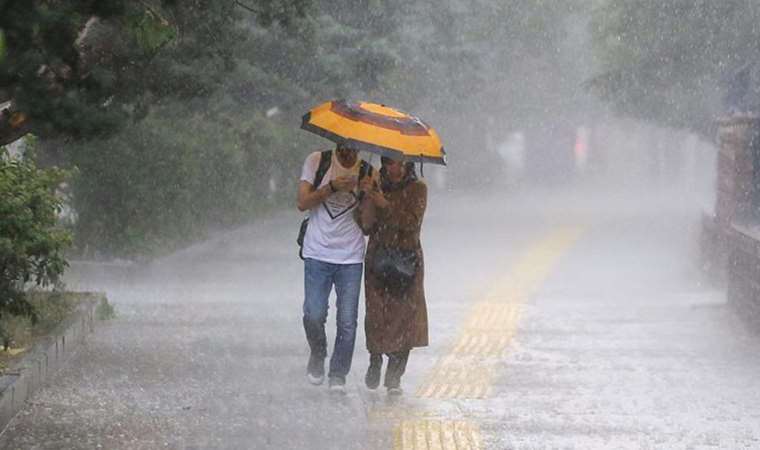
pixel 319 278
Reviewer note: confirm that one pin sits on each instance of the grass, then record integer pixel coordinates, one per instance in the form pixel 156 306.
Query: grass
pixel 19 333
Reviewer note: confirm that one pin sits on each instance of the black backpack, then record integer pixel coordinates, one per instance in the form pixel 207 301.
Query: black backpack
pixel 325 159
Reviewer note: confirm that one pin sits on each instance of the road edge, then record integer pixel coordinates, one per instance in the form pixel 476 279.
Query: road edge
pixel 46 358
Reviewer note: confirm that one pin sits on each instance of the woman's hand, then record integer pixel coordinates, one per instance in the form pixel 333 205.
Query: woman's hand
pixel 379 199
pixel 367 184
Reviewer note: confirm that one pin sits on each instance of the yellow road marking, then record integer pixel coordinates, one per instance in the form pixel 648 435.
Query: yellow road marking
pixel 431 434
pixel 492 323
pixel 467 371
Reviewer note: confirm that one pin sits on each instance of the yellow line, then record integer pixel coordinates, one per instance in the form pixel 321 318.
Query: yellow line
pixel 466 371
pixel 434 435
pixel 492 323
pixel 420 435
pixel 437 435
pixel 447 435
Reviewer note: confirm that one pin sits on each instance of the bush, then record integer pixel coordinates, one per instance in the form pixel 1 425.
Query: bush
pixel 14 331
pixel 157 186
pixel 31 242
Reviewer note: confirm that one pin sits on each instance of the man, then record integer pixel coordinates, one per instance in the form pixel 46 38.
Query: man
pixel 333 252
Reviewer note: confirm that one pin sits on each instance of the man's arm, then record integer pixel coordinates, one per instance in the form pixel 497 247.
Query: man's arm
pixel 308 197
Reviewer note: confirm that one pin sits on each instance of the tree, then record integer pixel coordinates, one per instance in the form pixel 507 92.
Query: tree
pixel 205 154
pixel 479 70
pixel 667 61
pixel 31 242
pixel 83 68
pixel 179 115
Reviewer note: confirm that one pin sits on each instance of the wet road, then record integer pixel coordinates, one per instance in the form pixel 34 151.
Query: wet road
pixel 558 320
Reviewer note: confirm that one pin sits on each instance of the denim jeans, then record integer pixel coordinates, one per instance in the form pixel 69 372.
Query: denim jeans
pixel 319 278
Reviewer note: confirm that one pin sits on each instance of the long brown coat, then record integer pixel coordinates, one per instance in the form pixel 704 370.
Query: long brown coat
pixel 396 322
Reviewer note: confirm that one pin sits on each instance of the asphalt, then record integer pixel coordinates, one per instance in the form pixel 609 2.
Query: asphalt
pixel 559 319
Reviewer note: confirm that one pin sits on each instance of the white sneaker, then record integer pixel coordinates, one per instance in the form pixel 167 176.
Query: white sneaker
pixel 315 380
pixel 337 386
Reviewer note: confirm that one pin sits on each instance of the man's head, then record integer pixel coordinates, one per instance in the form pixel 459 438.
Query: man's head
pixel 346 155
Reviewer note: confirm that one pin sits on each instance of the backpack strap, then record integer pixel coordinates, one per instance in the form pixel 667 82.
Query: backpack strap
pixel 325 158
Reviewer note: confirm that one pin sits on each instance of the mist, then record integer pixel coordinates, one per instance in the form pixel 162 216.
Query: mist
pixel 571 301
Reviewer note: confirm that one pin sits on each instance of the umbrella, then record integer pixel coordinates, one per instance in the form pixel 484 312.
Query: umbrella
pixel 376 128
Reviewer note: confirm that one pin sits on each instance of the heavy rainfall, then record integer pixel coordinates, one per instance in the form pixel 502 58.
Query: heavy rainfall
pixel 582 178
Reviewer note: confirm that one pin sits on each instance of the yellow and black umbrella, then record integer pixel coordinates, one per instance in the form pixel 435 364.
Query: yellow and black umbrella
pixel 376 128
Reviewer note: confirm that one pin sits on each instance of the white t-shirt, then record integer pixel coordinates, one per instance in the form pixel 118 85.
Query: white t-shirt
pixel 333 235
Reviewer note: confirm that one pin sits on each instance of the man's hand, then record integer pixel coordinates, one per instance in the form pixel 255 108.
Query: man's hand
pixel 345 184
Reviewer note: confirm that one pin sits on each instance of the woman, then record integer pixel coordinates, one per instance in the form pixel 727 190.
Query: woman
pixel 396 314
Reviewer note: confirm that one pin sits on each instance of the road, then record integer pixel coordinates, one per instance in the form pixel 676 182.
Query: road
pixel 558 319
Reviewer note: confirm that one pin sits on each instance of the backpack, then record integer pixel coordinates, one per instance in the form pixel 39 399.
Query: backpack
pixel 325 159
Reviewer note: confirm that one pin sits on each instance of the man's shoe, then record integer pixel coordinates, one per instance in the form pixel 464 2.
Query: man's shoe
pixel 315 371
pixel 337 385
pixel 372 379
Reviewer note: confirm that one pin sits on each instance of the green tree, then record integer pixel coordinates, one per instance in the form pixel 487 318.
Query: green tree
pixel 665 61
pixel 478 69
pixel 83 68
pixel 31 242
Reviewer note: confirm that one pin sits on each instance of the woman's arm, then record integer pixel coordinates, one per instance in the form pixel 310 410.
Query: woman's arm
pixel 366 213
pixel 408 216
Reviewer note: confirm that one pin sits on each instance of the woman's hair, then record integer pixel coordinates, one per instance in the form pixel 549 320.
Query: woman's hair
pixel 408 166
pixel 410 174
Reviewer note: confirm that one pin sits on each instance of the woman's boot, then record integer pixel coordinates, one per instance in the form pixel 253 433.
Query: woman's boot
pixel 372 379
pixel 396 368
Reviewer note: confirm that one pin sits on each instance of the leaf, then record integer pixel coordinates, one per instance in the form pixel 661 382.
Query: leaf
pixel 152 32
pixel 2 46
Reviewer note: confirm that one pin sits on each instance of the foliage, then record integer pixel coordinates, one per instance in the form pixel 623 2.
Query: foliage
pixel 196 162
pixel 2 46
pixel 51 307
pixel 154 187
pixel 478 70
pixel 85 69
pixel 31 243
pixel 104 310
pixel 179 115
pixel 665 61
pixel 14 330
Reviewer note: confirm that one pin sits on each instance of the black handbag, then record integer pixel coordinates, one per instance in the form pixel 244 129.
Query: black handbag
pixel 395 268
pixel 301 234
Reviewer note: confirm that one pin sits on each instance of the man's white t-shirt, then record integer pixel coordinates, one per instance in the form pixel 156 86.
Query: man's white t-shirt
pixel 333 235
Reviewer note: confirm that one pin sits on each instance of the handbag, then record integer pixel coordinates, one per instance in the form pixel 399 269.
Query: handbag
pixel 301 234
pixel 394 267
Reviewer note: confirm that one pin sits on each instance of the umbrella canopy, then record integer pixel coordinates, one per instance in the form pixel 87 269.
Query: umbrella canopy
pixel 376 128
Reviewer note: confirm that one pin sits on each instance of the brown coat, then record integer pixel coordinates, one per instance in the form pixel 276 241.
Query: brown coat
pixel 396 322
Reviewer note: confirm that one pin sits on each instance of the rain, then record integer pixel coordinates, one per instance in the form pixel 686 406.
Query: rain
pixel 586 189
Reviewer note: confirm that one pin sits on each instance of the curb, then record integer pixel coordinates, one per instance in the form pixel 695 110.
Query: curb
pixel 45 359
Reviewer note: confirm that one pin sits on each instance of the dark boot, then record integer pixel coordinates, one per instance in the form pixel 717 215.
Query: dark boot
pixel 372 379
pixel 396 368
